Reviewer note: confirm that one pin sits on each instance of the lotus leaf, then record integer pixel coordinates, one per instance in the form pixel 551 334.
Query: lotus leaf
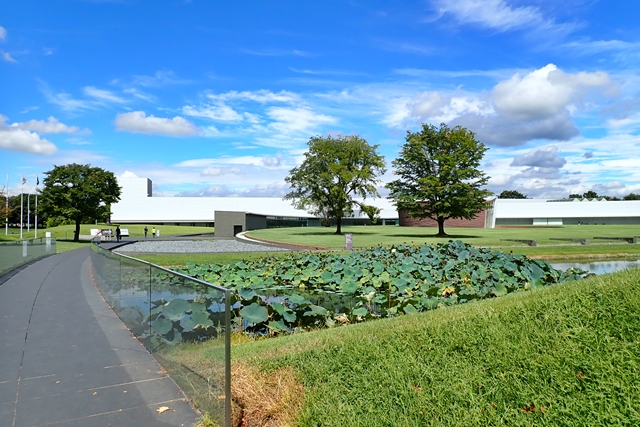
pixel 254 313
pixel 360 312
pixel 499 289
pixel 176 309
pixel 409 309
pixel 297 299
pixel 316 310
pixel 162 326
pixel 277 326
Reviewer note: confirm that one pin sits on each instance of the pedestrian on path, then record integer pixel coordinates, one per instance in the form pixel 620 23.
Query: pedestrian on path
pixel 118 233
pixel 146 230
pixel 153 232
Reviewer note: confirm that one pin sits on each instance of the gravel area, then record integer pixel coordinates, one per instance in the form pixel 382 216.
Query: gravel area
pixel 196 246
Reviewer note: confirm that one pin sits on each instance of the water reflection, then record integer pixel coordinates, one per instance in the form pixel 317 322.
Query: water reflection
pixel 598 267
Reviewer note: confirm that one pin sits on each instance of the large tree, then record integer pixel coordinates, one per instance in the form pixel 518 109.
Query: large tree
pixel 512 194
pixel 333 173
pixel 79 193
pixel 439 175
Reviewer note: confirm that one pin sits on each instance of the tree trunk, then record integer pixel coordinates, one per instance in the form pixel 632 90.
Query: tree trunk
pixel 76 233
pixel 338 225
pixel 441 232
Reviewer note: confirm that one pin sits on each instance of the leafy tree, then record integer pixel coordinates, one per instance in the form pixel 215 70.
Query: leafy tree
pixel 5 210
pixel 79 193
pixel 591 195
pixel 512 194
pixel 575 196
pixel 631 196
pixel 439 175
pixel 334 171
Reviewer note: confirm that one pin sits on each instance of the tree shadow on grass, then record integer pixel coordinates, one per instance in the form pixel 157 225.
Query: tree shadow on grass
pixel 434 236
pixel 328 233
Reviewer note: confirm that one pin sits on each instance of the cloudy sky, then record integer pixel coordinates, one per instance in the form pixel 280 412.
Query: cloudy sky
pixel 220 98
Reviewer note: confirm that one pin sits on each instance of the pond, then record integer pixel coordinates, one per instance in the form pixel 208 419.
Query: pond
pixel 598 267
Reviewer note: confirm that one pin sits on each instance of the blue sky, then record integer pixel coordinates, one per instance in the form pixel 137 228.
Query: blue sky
pixel 220 98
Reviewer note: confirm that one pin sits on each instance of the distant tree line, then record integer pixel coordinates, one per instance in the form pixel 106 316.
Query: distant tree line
pixel 513 194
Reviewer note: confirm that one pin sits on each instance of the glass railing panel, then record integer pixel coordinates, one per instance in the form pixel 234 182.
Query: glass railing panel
pixel 170 312
pixel 14 254
pixel 186 313
pixel 134 299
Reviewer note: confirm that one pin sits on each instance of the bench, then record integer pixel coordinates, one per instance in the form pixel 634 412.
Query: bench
pixel 568 239
pixel 528 242
pixel 627 239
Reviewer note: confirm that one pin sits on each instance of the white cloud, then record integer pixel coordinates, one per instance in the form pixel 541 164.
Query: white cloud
pixel 21 140
pixel 139 122
pixel 272 161
pixel 102 95
pixel 67 103
pixel 262 96
pixel 507 132
pixel 220 112
pixel 52 125
pixel 495 14
pixel 7 57
pixel 220 171
pixel 160 78
pixel 546 157
pixel 291 120
pixel 544 92
pixel 276 52
pixel 3 34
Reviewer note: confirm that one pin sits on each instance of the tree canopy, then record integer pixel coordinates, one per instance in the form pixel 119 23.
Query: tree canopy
pixel 631 196
pixel 512 194
pixel 333 173
pixel 439 176
pixel 593 195
pixel 79 193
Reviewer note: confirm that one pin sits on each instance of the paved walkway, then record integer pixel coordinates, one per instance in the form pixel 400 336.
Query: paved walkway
pixel 67 360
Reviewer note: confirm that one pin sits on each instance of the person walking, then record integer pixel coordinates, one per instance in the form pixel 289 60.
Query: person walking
pixel 146 230
pixel 153 232
pixel 118 233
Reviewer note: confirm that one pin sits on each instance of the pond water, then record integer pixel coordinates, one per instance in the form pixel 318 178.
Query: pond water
pixel 598 267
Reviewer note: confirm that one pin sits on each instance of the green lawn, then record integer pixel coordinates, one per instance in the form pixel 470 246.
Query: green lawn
pixel 366 237
pixel 565 355
pixel 135 230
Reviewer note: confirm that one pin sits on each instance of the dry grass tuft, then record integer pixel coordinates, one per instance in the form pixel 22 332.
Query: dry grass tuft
pixel 266 399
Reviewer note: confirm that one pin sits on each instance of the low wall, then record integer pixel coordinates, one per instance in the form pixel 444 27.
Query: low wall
pixel 477 222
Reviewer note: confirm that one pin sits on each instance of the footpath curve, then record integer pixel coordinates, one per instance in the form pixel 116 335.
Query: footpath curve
pixel 68 360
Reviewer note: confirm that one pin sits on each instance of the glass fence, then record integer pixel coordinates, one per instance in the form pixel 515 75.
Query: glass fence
pixel 169 311
pixel 15 254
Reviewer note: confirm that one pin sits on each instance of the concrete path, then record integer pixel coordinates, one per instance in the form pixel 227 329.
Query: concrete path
pixel 67 360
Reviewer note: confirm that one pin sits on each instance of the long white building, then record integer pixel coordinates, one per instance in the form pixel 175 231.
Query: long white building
pixel 521 212
pixel 137 205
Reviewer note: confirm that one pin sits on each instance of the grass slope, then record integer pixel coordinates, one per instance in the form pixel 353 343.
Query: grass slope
pixel 565 355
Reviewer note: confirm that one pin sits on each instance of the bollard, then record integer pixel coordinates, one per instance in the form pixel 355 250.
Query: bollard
pixel 348 241
pixel 48 239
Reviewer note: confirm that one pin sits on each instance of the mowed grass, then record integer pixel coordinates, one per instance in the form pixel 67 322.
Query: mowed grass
pixel 565 355
pixel 135 230
pixel 65 232
pixel 366 237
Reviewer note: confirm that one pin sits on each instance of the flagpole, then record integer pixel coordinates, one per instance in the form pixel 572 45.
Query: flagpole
pixel 29 212
pixel 6 219
pixel 21 206
pixel 37 183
